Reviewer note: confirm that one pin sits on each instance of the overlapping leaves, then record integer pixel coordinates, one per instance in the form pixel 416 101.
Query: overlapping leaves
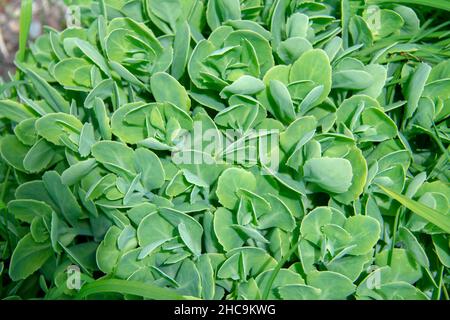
pixel 357 207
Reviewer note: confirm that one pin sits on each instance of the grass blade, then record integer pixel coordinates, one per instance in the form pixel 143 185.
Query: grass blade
pixel 26 15
pixel 438 4
pixel 277 269
pixel 148 291
pixel 435 217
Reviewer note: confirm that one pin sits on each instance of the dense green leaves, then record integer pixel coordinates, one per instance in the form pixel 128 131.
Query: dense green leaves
pixel 239 149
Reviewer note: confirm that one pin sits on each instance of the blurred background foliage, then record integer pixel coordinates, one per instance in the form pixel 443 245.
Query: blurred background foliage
pixel 45 13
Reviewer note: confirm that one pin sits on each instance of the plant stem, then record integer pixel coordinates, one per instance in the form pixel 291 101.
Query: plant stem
pixel 277 269
pixel 394 234
pixel 444 289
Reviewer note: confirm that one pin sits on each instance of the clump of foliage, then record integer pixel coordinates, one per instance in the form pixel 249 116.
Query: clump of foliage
pixel 358 208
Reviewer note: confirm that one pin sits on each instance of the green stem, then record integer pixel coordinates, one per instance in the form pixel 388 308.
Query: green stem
pixel 277 269
pixel 394 234
pixel 103 10
pixel 441 146
pixel 444 289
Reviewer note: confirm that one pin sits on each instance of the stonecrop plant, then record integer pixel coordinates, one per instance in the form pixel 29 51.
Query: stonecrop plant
pixel 229 149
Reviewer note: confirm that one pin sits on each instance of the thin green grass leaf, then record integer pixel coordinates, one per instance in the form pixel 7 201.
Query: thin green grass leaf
pixel 136 288
pixel 437 218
